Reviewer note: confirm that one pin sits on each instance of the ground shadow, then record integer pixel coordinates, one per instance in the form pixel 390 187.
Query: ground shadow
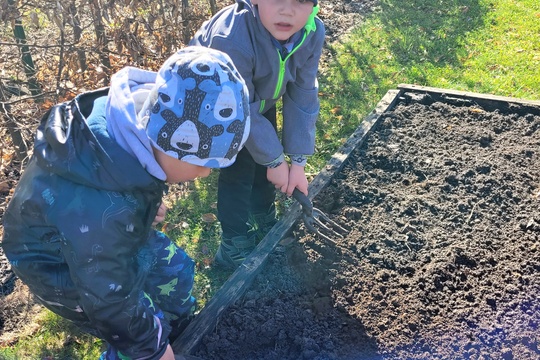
pixel 392 45
pixel 289 313
pixel 430 31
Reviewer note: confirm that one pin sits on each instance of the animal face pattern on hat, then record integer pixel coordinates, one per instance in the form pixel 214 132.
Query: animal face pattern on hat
pixel 199 109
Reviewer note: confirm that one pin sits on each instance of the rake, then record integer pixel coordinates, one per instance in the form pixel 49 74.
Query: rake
pixel 317 221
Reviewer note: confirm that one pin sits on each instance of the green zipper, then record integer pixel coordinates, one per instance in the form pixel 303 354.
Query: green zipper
pixel 282 63
pixel 310 26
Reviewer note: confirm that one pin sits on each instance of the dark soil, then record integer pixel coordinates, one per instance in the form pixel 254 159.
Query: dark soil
pixel 442 260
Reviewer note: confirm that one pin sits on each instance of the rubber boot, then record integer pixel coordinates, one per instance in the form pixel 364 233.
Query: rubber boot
pixel 232 252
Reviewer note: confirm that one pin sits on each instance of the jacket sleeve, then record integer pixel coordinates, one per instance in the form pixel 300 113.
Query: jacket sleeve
pixel 263 142
pixel 101 246
pixel 301 101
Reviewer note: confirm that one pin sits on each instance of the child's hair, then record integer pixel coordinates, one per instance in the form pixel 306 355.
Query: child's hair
pixel 198 111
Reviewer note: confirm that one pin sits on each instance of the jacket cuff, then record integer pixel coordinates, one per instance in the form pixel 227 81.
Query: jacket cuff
pixel 276 162
pixel 299 160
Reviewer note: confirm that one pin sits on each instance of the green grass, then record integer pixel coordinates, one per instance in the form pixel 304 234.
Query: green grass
pixel 483 46
pixel 191 221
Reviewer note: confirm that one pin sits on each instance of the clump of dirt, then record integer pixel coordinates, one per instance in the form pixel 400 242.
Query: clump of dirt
pixel 442 259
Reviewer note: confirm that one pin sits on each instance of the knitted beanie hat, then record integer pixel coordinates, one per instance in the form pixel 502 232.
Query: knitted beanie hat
pixel 198 110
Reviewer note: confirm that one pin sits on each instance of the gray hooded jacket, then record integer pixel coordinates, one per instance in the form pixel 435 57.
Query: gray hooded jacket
pixel 269 75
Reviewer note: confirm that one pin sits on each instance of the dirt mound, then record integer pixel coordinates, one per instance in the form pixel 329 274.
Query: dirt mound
pixel 441 261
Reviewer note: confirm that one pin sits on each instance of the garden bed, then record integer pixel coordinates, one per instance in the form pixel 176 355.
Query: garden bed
pixel 442 259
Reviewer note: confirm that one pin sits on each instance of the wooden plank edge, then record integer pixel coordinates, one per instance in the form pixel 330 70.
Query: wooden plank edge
pixel 243 277
pixel 336 162
pixel 234 287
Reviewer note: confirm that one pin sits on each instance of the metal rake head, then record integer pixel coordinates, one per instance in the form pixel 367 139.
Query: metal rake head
pixel 317 221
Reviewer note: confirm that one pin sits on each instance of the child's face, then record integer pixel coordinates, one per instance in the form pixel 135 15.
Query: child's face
pixel 178 171
pixel 283 18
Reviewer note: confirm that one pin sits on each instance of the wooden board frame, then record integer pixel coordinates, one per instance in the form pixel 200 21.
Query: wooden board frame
pixel 243 277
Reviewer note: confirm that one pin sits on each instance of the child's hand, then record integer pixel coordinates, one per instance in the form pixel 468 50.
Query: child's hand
pixel 160 216
pixel 279 176
pixel 297 179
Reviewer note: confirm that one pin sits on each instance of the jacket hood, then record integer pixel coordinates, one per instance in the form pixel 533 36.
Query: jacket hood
pixel 130 87
pixel 72 141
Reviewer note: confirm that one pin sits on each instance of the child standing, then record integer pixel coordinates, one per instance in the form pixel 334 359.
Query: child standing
pixel 276 46
pixel 78 230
